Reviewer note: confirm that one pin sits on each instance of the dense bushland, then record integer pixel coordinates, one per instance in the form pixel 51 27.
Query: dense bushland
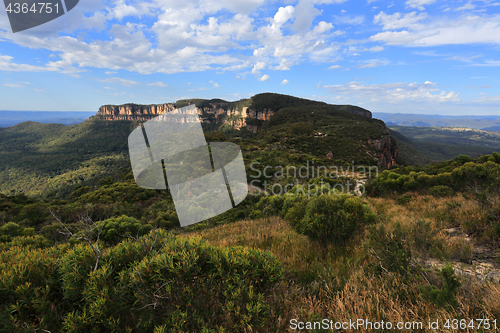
pixel 157 282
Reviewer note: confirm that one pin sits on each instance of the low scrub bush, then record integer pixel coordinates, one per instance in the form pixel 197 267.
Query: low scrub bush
pixel 330 218
pixel 444 296
pixel 440 191
pixel 390 250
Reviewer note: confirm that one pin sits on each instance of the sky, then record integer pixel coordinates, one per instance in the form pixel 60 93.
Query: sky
pixel 414 56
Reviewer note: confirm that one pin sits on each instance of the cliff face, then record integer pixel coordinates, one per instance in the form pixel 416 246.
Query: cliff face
pixel 388 151
pixel 133 111
pixel 214 113
pixel 238 115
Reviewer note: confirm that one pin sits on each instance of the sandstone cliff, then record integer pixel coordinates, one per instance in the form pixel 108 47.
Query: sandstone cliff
pixel 387 151
pixel 249 114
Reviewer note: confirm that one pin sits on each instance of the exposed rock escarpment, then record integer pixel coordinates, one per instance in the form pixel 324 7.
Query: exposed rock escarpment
pixel 248 113
pixel 388 151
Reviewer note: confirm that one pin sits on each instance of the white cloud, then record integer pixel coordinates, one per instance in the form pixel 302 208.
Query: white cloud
pixel 439 31
pixel 373 63
pixel 305 12
pixel 335 67
pixel 376 49
pixel 398 21
pixel 489 63
pixel 121 9
pixel 257 67
pixel 467 6
pixel 13 85
pixel 158 84
pixel 283 15
pixel 7 65
pixel 215 84
pixel 345 19
pixel 394 92
pixel 181 36
pixel 242 6
pixel 419 4
pixel 283 66
pixel 264 77
pixel 285 81
pixel 118 80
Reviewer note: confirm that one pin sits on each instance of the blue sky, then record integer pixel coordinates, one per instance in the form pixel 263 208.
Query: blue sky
pixel 415 56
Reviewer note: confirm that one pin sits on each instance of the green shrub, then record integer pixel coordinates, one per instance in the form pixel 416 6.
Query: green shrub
pixel 330 218
pixel 440 191
pixel 271 205
pixel 391 250
pixel 214 136
pixel 157 283
pixel 114 230
pixel 9 231
pixel 294 208
pixel 446 295
pixel 425 239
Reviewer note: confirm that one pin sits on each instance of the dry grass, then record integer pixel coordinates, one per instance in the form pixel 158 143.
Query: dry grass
pixel 337 283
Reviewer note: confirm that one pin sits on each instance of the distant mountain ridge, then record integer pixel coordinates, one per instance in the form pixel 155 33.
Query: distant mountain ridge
pixel 10 118
pixel 487 123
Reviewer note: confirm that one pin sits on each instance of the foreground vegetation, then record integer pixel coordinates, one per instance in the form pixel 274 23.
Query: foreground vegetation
pixel 113 258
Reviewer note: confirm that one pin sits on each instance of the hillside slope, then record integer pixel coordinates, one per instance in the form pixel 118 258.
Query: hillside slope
pixel 43 158
pixel 443 143
pixel 50 159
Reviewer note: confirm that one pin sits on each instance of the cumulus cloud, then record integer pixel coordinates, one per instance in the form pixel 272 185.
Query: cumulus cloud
pixel 257 67
pixel 214 84
pixel 305 12
pixel 186 36
pixel 284 65
pixel 121 9
pixel 335 67
pixel 283 15
pixel 285 81
pixel 264 77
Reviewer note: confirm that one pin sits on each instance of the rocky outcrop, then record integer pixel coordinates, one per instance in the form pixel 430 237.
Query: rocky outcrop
pixel 387 151
pixel 236 114
pixel 241 114
pixel 214 113
pixel 133 111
